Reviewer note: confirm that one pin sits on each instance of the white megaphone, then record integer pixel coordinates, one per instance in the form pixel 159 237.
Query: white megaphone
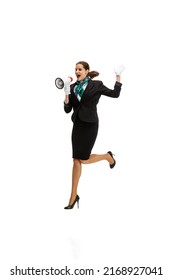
pixel 60 83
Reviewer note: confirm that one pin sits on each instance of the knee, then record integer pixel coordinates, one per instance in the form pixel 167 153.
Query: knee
pixel 79 161
pixel 76 161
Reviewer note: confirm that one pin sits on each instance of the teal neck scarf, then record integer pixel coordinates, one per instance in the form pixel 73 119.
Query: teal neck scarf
pixel 80 87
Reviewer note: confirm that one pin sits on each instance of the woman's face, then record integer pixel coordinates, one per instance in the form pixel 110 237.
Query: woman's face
pixel 80 72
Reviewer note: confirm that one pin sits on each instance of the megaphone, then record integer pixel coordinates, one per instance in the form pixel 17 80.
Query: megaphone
pixel 60 83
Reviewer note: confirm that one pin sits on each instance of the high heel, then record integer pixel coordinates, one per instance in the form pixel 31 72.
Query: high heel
pixel 73 204
pixel 113 164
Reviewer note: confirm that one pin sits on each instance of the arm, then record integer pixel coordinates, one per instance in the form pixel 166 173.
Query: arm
pixel 118 78
pixel 109 92
pixel 67 101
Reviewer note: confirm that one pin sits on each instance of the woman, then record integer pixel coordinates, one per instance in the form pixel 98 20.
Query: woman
pixel 82 97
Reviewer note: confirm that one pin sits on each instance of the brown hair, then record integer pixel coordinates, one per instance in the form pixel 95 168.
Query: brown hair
pixel 92 74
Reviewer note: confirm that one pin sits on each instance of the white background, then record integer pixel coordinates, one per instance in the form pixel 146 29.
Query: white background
pixel 125 214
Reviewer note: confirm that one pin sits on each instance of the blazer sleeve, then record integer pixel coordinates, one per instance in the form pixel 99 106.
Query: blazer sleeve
pixel 67 107
pixel 111 92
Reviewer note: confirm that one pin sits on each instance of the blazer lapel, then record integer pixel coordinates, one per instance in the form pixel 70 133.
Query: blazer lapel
pixel 87 90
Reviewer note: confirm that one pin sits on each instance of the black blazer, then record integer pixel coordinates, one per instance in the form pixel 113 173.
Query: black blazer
pixel 86 108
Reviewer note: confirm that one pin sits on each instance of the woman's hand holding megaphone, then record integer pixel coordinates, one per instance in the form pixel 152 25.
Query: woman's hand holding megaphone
pixel 67 85
pixel 61 83
pixel 64 84
pixel 67 89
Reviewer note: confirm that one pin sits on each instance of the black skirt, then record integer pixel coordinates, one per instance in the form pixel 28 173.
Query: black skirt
pixel 83 138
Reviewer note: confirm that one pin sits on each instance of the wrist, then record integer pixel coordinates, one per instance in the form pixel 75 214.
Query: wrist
pixel 66 101
pixel 118 78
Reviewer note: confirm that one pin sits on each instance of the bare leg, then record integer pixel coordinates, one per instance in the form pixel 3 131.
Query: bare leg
pixel 77 169
pixel 95 158
pixel 76 173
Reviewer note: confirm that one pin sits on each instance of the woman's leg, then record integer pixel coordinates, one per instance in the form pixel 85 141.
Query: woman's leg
pixel 76 173
pixel 77 169
pixel 95 158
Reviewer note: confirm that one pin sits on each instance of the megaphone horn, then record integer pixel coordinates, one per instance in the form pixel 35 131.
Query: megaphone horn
pixel 60 83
